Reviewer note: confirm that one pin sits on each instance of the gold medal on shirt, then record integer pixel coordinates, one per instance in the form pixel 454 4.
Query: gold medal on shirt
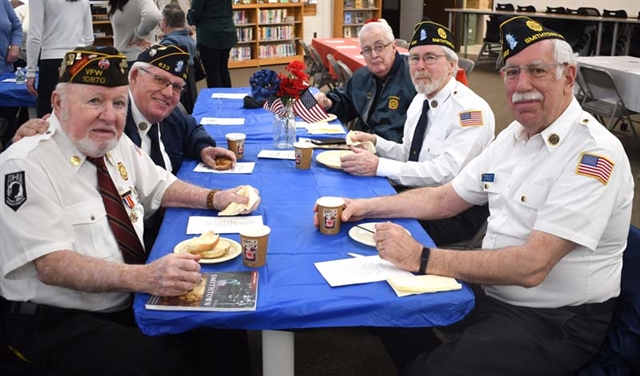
pixel 134 217
pixel 123 171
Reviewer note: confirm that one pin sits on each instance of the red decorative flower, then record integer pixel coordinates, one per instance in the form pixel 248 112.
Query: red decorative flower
pixel 292 82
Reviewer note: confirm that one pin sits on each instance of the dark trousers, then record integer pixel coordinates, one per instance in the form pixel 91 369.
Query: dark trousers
pixel 216 64
pixel 71 342
pixel 47 81
pixel 503 339
pixel 459 228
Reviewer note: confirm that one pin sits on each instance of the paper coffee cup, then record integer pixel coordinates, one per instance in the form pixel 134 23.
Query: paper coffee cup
pixel 303 153
pixel 235 143
pixel 254 241
pixel 329 212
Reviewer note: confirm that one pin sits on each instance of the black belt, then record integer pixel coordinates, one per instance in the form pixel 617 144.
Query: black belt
pixel 22 308
pixel 592 308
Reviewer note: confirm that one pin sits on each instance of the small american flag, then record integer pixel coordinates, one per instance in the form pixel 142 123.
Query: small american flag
pixel 308 108
pixel 471 118
pixel 274 105
pixel 595 167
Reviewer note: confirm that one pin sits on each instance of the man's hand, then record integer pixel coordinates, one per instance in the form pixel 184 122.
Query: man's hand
pixel 357 136
pixel 13 53
pixel 31 128
pixel 224 198
pixel 209 155
pixel 352 211
pixel 31 86
pixel 323 101
pixel 398 247
pixel 172 275
pixel 361 162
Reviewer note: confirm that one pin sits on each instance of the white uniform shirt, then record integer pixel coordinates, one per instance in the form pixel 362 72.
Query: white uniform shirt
pixel 540 184
pixel 449 144
pixel 56 205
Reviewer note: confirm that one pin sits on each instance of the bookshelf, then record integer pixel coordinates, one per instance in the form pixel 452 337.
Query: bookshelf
pixel 268 33
pixel 350 15
pixel 102 30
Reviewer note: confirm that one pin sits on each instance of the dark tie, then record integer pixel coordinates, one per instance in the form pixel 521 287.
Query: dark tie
pixel 121 226
pixel 155 153
pixel 418 135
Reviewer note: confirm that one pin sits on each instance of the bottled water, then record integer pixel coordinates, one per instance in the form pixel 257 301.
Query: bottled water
pixel 20 77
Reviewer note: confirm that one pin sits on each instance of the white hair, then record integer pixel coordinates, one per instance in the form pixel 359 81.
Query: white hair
pixel 563 54
pixel 137 65
pixel 451 56
pixel 379 25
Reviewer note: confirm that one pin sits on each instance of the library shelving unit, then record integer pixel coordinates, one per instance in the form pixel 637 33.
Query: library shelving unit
pixel 268 33
pixel 102 30
pixel 350 15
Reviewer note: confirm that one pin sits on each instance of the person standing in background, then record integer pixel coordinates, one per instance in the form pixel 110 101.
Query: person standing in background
pixel 185 5
pixel 22 11
pixel 216 35
pixel 10 37
pixel 55 27
pixel 175 32
pixel 133 22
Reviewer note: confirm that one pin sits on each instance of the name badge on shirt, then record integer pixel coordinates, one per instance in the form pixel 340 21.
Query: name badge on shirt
pixel 488 177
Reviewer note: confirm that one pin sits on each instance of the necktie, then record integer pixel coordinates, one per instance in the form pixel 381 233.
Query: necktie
pixel 119 221
pixel 155 153
pixel 418 135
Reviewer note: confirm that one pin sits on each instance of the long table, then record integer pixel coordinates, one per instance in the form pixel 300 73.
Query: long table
pixel 291 292
pixel 348 50
pixel 568 17
pixel 626 73
pixel 14 95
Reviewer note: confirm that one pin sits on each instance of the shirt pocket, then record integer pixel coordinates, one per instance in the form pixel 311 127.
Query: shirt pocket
pixel 531 195
pixel 93 236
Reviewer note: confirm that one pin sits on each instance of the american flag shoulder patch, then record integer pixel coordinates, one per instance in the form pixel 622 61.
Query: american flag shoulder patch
pixel 471 118
pixel 595 166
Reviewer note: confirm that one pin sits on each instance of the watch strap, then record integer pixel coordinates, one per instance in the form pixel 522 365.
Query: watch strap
pixel 424 259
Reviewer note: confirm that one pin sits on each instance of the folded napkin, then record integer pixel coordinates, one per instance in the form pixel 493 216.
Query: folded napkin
pixel 234 208
pixel 419 284
pixel 368 145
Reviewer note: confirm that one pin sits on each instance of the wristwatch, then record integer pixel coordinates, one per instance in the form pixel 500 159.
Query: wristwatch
pixel 424 259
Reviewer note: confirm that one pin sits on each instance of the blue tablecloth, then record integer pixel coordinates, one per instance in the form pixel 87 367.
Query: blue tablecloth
pixel 291 292
pixel 14 95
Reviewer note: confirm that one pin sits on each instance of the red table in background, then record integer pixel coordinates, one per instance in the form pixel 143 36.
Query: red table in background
pixel 348 50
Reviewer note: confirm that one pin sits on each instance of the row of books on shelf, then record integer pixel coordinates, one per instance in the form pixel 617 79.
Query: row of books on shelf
pixel 277 50
pixel 240 17
pixel 359 4
pixel 276 33
pixel 240 53
pixel 274 16
pixel 357 17
pixel 350 31
pixel 244 34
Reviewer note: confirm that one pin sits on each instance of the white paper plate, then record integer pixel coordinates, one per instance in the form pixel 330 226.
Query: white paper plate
pixel 331 158
pixel 363 236
pixel 331 117
pixel 233 252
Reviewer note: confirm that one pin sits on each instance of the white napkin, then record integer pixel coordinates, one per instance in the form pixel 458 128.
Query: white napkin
pixel 368 145
pixel 234 208
pixel 419 284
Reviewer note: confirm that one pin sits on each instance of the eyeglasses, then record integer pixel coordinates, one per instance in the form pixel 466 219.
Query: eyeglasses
pixel 163 82
pixel 378 48
pixel 428 59
pixel 536 71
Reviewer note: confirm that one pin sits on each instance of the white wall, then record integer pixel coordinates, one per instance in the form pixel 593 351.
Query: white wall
pixel 321 23
pixel 631 6
pixel 410 15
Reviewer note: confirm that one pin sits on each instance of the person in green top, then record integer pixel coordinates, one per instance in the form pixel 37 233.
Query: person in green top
pixel 215 35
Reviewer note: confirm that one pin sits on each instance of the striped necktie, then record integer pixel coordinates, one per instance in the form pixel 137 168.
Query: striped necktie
pixel 418 134
pixel 119 221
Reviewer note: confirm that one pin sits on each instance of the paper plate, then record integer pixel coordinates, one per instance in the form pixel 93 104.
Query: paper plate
pixel 331 158
pixel 363 236
pixel 233 252
pixel 331 117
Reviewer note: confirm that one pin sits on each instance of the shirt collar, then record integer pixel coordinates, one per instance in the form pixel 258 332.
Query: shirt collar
pixel 138 117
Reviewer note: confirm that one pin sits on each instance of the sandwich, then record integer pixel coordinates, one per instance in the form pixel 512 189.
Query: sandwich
pixel 223 163
pixel 208 245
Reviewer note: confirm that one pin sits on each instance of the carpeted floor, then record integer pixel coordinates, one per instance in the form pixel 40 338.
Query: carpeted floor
pixel 353 351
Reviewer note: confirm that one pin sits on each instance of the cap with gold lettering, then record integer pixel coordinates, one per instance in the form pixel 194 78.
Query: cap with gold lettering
pixel 173 59
pixel 520 32
pixel 429 32
pixel 94 66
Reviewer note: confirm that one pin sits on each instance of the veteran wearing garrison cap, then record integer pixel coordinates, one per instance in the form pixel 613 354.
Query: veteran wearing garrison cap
pixel 447 126
pixel 71 247
pixel 559 189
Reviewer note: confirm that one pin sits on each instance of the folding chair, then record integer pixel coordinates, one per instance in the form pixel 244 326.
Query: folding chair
pixel 527 8
pixel 345 70
pixel 323 76
pixel 337 71
pixel 491 44
pixel 602 99
pixel 506 7
pixel 608 31
pixel 466 64
pixel 312 67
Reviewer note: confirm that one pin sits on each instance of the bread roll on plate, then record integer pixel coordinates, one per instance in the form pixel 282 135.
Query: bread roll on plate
pixel 208 245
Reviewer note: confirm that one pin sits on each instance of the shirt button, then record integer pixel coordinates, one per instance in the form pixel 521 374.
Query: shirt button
pixel 93 217
pixel 523 198
pixel 486 186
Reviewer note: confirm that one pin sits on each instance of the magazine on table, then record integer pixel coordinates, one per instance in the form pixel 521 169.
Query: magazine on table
pixel 216 291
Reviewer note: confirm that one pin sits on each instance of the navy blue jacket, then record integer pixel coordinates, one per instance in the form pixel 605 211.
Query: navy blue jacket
pixel 181 135
pixel 356 99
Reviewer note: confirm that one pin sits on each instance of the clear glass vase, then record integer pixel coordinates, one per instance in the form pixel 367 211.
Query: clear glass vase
pixel 284 129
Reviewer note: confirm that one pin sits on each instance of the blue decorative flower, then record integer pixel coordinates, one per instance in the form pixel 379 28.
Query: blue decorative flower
pixel 264 84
